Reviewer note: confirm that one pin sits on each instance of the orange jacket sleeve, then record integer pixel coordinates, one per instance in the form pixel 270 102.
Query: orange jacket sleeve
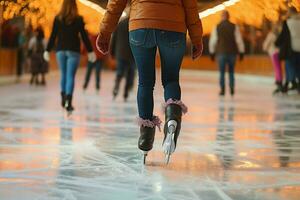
pixel 193 21
pixel 111 18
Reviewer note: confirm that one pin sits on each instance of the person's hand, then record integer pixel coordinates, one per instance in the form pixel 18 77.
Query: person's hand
pixel 46 56
pixel 212 57
pixel 102 44
pixel 92 57
pixel 197 50
pixel 241 56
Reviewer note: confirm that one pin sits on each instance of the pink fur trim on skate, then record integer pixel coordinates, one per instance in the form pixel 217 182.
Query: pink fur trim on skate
pixel 148 123
pixel 184 108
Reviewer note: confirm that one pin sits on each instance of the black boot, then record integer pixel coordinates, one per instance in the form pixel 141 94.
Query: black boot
pixel 117 86
pixel 63 99
pixel 146 138
pixel 147 134
pixel 173 114
pixel 222 91
pixel 294 85
pixel 68 105
pixel 84 87
pixel 31 80
pixel 285 87
pixel 232 92
pixel 279 88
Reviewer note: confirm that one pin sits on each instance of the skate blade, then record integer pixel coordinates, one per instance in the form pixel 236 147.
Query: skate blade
pixel 145 154
pixel 169 147
pixel 69 113
pixel 169 143
pixel 167 158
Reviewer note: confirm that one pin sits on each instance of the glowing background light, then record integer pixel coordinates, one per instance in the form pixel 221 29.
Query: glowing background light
pixel 42 12
pixel 93 6
pixel 217 8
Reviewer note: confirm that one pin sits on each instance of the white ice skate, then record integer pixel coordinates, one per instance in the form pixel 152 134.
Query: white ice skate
pixel 169 142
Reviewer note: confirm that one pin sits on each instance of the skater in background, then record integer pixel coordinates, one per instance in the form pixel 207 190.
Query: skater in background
pixel 67 27
pixel 284 43
pixel 97 65
pixel 120 50
pixel 225 43
pixel 157 25
pixel 294 27
pixel 21 54
pixel 273 51
pixel 39 66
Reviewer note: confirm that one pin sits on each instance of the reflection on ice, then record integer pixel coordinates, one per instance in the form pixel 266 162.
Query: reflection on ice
pixel 243 148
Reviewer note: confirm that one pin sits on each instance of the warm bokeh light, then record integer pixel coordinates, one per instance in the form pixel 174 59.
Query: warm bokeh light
pixel 247 11
pixel 42 12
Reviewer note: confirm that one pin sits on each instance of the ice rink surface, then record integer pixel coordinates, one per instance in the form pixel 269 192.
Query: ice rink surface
pixel 241 148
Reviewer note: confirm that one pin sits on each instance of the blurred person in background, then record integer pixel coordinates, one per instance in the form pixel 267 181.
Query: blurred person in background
pixel 226 43
pixel 67 27
pixel 293 24
pixel 157 25
pixel 21 54
pixel 286 43
pixel 273 51
pixel 36 47
pixel 120 50
pixel 97 65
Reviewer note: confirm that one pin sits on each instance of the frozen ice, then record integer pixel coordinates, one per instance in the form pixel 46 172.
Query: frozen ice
pixel 241 148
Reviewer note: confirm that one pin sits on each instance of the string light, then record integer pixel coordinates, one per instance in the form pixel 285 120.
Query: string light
pixel 217 8
pixel 93 6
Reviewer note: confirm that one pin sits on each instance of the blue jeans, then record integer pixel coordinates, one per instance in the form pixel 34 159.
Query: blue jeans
pixel 224 60
pixel 68 62
pixel 144 44
pixel 98 66
pixel 290 73
pixel 296 65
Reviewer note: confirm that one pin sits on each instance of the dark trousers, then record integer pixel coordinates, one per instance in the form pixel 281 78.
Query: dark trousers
pixel 225 60
pixel 296 64
pixel 125 69
pixel 98 66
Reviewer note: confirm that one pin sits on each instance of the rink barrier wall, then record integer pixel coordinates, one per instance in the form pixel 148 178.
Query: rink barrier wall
pixel 8 61
pixel 254 64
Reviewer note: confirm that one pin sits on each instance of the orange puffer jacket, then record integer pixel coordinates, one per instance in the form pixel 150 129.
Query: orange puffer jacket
pixel 169 15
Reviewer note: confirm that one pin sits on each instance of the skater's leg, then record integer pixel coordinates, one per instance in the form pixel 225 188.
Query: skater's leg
pixel 278 72
pixel 43 82
pixel 297 66
pixel 73 59
pixel 32 79
pixel 62 62
pixel 231 64
pixel 98 68
pixel 72 65
pixel 222 68
pixel 37 82
pixel 277 67
pixel 121 68
pixel 145 60
pixel 143 47
pixel 172 47
pixel 290 73
pixel 129 79
pixel 88 74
